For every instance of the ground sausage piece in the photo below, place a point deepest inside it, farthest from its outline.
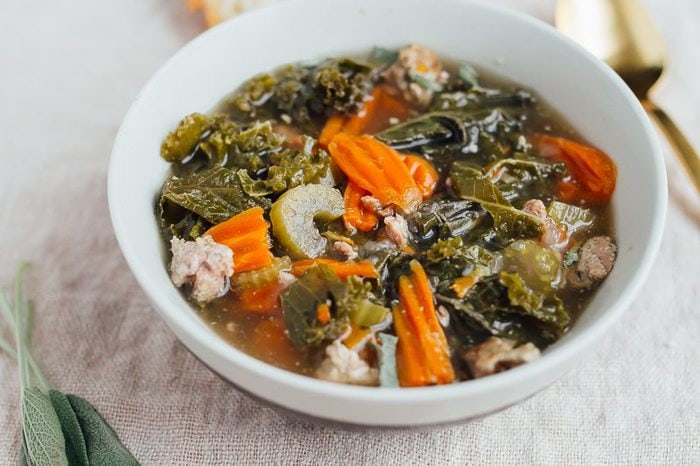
(554, 236)
(397, 230)
(346, 249)
(372, 204)
(498, 354)
(596, 260)
(343, 365)
(415, 60)
(204, 263)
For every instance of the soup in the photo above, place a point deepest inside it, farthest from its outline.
(392, 219)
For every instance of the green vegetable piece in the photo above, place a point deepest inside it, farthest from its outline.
(520, 180)
(180, 143)
(386, 357)
(44, 439)
(382, 55)
(260, 278)
(468, 183)
(468, 75)
(445, 249)
(254, 93)
(342, 85)
(300, 300)
(538, 266)
(533, 303)
(518, 292)
(445, 218)
(359, 303)
(293, 215)
(421, 80)
(215, 195)
(288, 170)
(102, 443)
(76, 449)
(570, 217)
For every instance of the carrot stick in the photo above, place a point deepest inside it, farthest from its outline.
(333, 126)
(410, 361)
(417, 325)
(423, 173)
(594, 173)
(355, 216)
(342, 268)
(247, 236)
(377, 168)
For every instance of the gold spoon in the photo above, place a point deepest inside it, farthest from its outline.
(621, 33)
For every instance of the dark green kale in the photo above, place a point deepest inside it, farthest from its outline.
(189, 205)
(444, 218)
(471, 184)
(202, 142)
(481, 136)
(520, 180)
(298, 93)
(318, 285)
(288, 169)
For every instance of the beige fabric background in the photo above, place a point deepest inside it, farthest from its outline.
(68, 71)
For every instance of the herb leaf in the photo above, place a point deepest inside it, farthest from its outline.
(76, 449)
(42, 429)
(102, 443)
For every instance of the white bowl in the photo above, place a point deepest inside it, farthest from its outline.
(593, 99)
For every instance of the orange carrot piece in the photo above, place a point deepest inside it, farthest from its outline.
(357, 336)
(373, 117)
(247, 236)
(342, 268)
(462, 285)
(355, 216)
(323, 313)
(594, 173)
(377, 168)
(410, 360)
(333, 126)
(423, 173)
(263, 300)
(416, 323)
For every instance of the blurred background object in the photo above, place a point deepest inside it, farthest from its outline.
(622, 34)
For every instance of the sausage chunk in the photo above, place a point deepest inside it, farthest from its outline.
(415, 60)
(204, 263)
(596, 260)
(498, 354)
(397, 230)
(343, 365)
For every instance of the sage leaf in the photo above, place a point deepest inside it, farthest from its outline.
(76, 449)
(42, 430)
(102, 444)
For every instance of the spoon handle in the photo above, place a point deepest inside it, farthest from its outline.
(687, 154)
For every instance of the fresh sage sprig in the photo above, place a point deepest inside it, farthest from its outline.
(57, 428)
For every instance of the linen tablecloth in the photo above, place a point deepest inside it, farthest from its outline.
(68, 72)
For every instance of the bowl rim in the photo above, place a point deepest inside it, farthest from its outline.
(553, 357)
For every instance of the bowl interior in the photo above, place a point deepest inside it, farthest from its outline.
(523, 50)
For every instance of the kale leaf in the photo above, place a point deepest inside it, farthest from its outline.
(202, 142)
(520, 180)
(318, 285)
(215, 195)
(444, 218)
(288, 169)
(470, 184)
